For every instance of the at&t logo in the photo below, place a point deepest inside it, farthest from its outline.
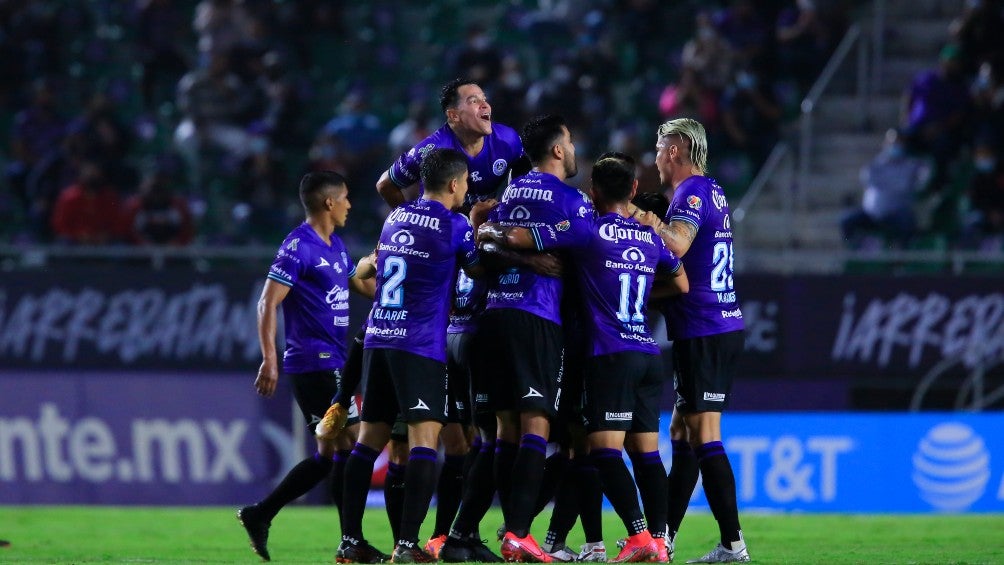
(951, 467)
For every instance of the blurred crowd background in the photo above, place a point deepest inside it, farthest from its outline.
(190, 122)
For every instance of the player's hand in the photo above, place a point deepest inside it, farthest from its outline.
(648, 219)
(268, 376)
(545, 264)
(491, 232)
(332, 423)
(479, 211)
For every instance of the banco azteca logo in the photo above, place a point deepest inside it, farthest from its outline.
(951, 467)
(402, 237)
(633, 255)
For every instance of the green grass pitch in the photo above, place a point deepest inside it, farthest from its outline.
(60, 534)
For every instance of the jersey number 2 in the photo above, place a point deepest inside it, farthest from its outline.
(394, 271)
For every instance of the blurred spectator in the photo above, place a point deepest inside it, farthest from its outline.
(708, 54)
(751, 115)
(353, 141)
(689, 99)
(979, 32)
(283, 103)
(935, 109)
(508, 97)
(417, 125)
(215, 107)
(988, 102)
(986, 194)
(36, 131)
(159, 23)
(745, 30)
(155, 215)
(88, 211)
(802, 42)
(105, 139)
(54, 172)
(892, 183)
(478, 60)
(222, 25)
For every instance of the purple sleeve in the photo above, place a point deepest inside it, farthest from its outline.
(285, 267)
(463, 241)
(406, 171)
(571, 231)
(668, 263)
(688, 205)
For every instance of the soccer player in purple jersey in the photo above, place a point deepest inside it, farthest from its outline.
(491, 149)
(523, 320)
(706, 326)
(404, 358)
(617, 263)
(310, 277)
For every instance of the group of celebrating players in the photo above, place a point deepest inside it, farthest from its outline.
(509, 320)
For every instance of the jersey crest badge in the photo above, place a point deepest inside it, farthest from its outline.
(563, 225)
(694, 202)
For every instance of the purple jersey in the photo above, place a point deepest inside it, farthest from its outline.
(420, 247)
(468, 304)
(711, 306)
(616, 265)
(558, 217)
(487, 170)
(316, 310)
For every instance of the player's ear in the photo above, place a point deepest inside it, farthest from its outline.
(557, 151)
(634, 189)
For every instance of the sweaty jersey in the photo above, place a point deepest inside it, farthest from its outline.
(420, 247)
(711, 307)
(486, 171)
(316, 310)
(558, 216)
(616, 265)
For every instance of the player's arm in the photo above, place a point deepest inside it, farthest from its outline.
(510, 237)
(363, 280)
(678, 235)
(672, 284)
(391, 193)
(496, 258)
(268, 304)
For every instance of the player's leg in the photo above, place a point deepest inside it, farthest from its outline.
(352, 373)
(379, 409)
(642, 444)
(397, 467)
(313, 392)
(610, 384)
(420, 385)
(711, 368)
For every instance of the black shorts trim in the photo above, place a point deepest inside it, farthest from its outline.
(314, 393)
(525, 368)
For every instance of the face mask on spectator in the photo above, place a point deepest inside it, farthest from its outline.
(985, 164)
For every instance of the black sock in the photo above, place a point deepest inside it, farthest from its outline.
(590, 489)
(720, 488)
(566, 509)
(358, 474)
(554, 473)
(472, 455)
(479, 489)
(505, 457)
(419, 485)
(529, 467)
(338, 475)
(650, 476)
(300, 479)
(448, 493)
(393, 496)
(680, 484)
(619, 487)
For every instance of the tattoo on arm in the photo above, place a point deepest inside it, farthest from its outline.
(678, 236)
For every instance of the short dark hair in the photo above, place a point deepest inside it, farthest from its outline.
(613, 176)
(540, 134)
(313, 185)
(655, 202)
(439, 166)
(449, 96)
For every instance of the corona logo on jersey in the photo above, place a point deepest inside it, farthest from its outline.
(951, 467)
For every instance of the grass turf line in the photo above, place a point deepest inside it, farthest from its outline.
(99, 534)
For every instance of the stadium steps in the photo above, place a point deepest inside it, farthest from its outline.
(845, 141)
